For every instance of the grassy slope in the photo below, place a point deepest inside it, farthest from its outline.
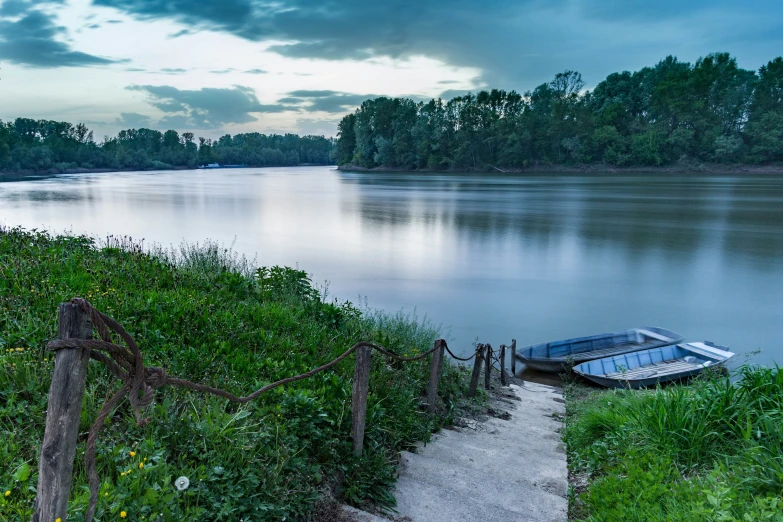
(711, 451)
(203, 315)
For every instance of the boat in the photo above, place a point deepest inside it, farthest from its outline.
(656, 365)
(557, 355)
(219, 166)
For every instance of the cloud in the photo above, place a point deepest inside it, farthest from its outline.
(175, 70)
(453, 93)
(132, 120)
(324, 100)
(223, 71)
(516, 43)
(326, 127)
(31, 38)
(256, 71)
(206, 108)
(183, 32)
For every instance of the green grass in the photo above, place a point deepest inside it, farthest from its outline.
(710, 451)
(206, 315)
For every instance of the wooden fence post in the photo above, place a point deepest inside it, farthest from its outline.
(361, 386)
(502, 364)
(474, 377)
(435, 369)
(55, 465)
(488, 366)
(514, 357)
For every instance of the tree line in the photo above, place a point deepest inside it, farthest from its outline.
(673, 112)
(42, 145)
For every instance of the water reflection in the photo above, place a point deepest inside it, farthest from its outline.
(535, 257)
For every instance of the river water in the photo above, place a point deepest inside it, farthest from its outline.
(493, 257)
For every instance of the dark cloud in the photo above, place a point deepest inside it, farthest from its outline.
(113, 21)
(515, 43)
(183, 32)
(94, 26)
(256, 71)
(206, 108)
(324, 100)
(31, 38)
(132, 120)
(453, 93)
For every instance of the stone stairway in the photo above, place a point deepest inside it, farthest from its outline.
(509, 468)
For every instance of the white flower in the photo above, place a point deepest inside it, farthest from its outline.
(182, 483)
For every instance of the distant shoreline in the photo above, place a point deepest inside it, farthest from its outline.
(700, 168)
(54, 172)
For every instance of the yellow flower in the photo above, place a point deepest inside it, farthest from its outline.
(132, 453)
(141, 465)
(123, 514)
(58, 519)
(8, 493)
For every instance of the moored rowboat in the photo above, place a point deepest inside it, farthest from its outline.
(554, 356)
(650, 367)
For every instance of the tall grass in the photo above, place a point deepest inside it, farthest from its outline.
(210, 316)
(716, 435)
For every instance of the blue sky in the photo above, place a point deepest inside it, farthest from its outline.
(212, 67)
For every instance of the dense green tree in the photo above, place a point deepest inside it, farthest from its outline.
(712, 110)
(28, 144)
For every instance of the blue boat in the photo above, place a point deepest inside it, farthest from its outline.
(555, 356)
(650, 367)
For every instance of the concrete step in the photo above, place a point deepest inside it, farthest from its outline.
(424, 502)
(539, 467)
(506, 489)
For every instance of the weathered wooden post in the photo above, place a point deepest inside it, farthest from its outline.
(55, 465)
(488, 366)
(502, 364)
(514, 357)
(435, 369)
(361, 386)
(474, 377)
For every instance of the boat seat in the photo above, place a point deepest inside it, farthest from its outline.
(654, 335)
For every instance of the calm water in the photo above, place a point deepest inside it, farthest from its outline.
(535, 258)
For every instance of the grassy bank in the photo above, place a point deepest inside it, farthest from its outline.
(711, 451)
(208, 316)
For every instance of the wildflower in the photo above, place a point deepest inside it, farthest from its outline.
(182, 483)
(132, 453)
(8, 493)
(141, 465)
(58, 519)
(123, 514)
(20, 349)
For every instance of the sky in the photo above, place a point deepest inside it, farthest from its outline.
(274, 66)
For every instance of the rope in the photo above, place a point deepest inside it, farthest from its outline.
(458, 358)
(140, 382)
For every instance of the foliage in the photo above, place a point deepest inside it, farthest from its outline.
(711, 451)
(207, 315)
(27, 144)
(709, 111)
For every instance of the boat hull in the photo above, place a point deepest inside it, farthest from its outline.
(651, 367)
(558, 355)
